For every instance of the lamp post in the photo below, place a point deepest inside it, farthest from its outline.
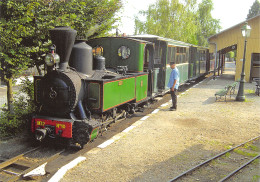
(246, 29)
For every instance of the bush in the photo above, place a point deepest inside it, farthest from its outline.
(19, 121)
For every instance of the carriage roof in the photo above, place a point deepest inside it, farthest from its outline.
(168, 40)
(125, 38)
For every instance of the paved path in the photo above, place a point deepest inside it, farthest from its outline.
(3, 97)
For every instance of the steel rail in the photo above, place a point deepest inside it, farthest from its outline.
(35, 166)
(207, 161)
(238, 169)
(14, 159)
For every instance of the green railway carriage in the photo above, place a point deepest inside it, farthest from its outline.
(106, 94)
(120, 51)
(153, 54)
(192, 61)
(134, 86)
(199, 61)
(168, 50)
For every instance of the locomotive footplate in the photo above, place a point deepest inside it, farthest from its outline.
(80, 131)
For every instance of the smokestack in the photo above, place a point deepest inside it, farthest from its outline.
(63, 37)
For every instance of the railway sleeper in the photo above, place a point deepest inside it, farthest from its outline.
(23, 166)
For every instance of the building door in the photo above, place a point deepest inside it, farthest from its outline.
(255, 66)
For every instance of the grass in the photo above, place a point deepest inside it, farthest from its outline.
(251, 147)
(250, 91)
(248, 100)
(256, 162)
(229, 146)
(227, 154)
(248, 154)
(256, 178)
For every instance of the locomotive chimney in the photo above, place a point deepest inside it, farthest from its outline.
(63, 38)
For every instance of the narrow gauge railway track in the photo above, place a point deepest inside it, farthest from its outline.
(116, 127)
(242, 150)
(24, 165)
(16, 168)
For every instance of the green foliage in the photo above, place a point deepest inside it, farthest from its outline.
(90, 18)
(207, 25)
(254, 10)
(13, 123)
(180, 20)
(14, 26)
(230, 54)
(24, 26)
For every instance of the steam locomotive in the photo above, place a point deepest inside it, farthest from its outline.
(90, 84)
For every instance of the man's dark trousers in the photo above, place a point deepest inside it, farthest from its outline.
(174, 99)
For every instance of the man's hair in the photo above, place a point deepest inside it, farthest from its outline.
(171, 63)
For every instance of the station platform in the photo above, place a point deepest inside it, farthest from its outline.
(165, 143)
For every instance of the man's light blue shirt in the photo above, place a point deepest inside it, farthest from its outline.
(174, 76)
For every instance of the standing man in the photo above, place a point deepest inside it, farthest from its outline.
(173, 85)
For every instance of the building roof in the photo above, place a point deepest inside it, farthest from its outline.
(233, 27)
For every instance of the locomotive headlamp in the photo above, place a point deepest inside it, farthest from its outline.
(52, 57)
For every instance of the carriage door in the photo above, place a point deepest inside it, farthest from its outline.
(149, 67)
(161, 64)
(193, 62)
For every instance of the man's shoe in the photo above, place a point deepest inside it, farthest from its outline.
(172, 109)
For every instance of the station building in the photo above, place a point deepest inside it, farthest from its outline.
(231, 39)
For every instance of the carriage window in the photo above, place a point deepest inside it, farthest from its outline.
(124, 52)
(178, 49)
(187, 54)
(97, 51)
(169, 55)
(177, 59)
(173, 54)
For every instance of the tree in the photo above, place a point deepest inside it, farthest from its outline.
(230, 55)
(170, 19)
(91, 18)
(207, 25)
(24, 29)
(14, 26)
(254, 10)
(181, 20)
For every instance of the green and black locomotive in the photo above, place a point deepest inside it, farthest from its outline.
(90, 84)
